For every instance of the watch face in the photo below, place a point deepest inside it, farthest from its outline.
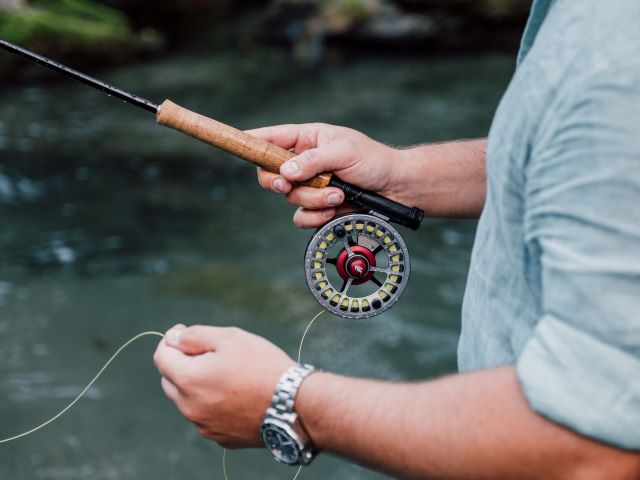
(282, 446)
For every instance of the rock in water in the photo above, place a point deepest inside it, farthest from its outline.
(12, 4)
(308, 24)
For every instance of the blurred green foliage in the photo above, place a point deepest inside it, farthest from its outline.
(68, 21)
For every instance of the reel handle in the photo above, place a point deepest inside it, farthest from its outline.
(271, 157)
(231, 140)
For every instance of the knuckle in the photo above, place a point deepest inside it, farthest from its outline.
(327, 133)
(166, 385)
(292, 198)
(186, 381)
(322, 128)
(308, 137)
(310, 157)
(186, 336)
(196, 335)
(263, 181)
(350, 145)
(298, 218)
(321, 199)
(349, 151)
(182, 384)
(233, 332)
(311, 202)
(190, 414)
(205, 433)
(269, 133)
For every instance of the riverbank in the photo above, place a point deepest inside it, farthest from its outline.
(423, 26)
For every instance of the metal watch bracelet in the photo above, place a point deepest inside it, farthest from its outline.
(281, 428)
(287, 387)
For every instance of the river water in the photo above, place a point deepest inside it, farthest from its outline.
(111, 225)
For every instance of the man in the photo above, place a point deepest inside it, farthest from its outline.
(551, 318)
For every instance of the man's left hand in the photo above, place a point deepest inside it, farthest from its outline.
(221, 379)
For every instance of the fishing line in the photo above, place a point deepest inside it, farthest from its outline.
(304, 335)
(81, 394)
(110, 361)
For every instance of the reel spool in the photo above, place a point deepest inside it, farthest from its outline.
(357, 266)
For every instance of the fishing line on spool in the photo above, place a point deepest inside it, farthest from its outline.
(110, 361)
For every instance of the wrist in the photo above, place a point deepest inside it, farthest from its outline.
(312, 408)
(402, 176)
(443, 179)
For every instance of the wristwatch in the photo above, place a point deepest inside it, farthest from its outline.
(281, 430)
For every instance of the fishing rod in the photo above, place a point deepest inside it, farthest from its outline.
(363, 247)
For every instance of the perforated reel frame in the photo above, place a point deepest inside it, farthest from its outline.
(347, 280)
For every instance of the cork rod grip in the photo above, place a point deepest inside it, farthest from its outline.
(231, 140)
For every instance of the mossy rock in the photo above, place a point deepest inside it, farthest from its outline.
(340, 15)
(82, 30)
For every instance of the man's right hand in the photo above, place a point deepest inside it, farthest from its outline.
(351, 155)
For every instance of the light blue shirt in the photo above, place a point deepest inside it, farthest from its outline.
(554, 282)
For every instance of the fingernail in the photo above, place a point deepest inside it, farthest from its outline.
(328, 213)
(173, 337)
(290, 168)
(278, 185)
(334, 199)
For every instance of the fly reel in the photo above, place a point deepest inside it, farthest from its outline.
(357, 266)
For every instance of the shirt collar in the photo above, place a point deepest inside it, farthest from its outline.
(539, 11)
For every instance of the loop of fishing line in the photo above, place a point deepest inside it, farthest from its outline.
(81, 394)
(110, 361)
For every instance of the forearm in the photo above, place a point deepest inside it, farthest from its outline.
(466, 426)
(445, 179)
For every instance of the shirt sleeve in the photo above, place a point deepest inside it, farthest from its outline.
(581, 368)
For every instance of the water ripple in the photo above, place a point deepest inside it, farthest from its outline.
(34, 386)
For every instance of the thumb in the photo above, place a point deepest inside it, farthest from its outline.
(327, 158)
(189, 340)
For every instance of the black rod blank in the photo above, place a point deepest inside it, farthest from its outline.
(81, 77)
